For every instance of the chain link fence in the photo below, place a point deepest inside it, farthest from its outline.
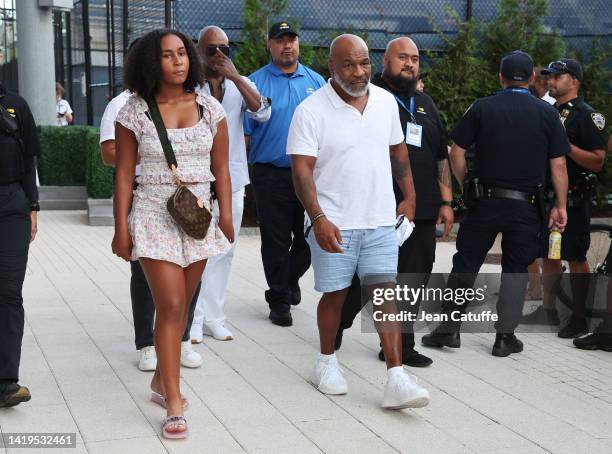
(579, 21)
(91, 40)
(90, 44)
(8, 48)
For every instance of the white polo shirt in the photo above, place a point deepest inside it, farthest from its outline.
(352, 173)
(235, 108)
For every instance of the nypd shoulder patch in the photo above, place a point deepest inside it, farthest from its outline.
(598, 120)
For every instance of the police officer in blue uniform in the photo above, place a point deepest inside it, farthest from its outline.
(516, 138)
(18, 217)
(586, 131)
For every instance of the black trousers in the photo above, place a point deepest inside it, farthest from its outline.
(520, 226)
(284, 251)
(15, 230)
(143, 308)
(414, 265)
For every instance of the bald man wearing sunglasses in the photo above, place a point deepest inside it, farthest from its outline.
(239, 96)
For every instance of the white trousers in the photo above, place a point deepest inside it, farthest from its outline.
(209, 309)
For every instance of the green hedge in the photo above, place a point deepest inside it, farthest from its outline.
(63, 157)
(99, 177)
(70, 156)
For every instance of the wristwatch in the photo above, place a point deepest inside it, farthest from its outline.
(35, 206)
(446, 203)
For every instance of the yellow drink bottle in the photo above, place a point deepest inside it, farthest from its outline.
(554, 245)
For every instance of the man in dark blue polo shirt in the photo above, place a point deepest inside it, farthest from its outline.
(284, 250)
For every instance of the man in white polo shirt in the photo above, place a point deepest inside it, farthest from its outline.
(346, 143)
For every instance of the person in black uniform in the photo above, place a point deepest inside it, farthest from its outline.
(516, 137)
(432, 181)
(586, 131)
(18, 225)
(601, 337)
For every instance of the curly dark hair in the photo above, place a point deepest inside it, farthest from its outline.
(142, 69)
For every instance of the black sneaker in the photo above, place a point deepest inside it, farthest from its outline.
(338, 341)
(506, 344)
(576, 327)
(441, 338)
(12, 394)
(410, 358)
(280, 318)
(541, 316)
(601, 339)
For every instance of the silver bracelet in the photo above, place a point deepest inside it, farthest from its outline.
(317, 217)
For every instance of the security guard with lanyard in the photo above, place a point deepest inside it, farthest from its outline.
(517, 137)
(18, 207)
(586, 131)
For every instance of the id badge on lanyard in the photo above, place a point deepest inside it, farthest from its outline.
(414, 131)
(414, 134)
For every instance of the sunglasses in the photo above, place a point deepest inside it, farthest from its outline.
(558, 66)
(212, 50)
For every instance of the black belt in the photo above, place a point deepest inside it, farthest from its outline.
(492, 192)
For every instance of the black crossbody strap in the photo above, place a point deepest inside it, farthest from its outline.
(162, 134)
(15, 130)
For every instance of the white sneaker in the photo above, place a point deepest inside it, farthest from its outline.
(189, 357)
(327, 377)
(195, 334)
(148, 359)
(219, 332)
(402, 391)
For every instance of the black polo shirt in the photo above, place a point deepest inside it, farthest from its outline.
(423, 160)
(514, 135)
(17, 165)
(585, 128)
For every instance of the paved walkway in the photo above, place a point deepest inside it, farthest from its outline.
(252, 394)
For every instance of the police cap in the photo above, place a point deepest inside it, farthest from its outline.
(516, 66)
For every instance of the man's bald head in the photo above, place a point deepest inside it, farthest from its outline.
(401, 64)
(345, 44)
(212, 34)
(403, 42)
(349, 64)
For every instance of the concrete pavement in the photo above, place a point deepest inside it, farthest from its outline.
(252, 394)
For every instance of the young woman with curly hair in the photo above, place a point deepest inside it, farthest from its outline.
(164, 67)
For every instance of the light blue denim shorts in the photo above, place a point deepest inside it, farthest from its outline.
(372, 253)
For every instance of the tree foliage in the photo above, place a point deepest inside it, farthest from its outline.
(258, 16)
(468, 67)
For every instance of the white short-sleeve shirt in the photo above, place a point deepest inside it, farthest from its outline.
(62, 107)
(352, 173)
(107, 123)
(235, 108)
